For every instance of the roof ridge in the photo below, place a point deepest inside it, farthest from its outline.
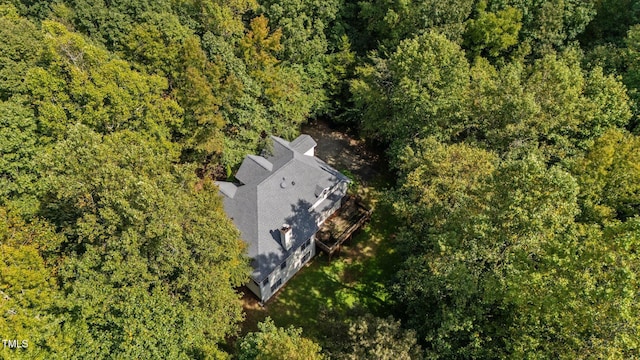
(259, 160)
(274, 172)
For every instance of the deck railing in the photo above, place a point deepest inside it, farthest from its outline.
(356, 220)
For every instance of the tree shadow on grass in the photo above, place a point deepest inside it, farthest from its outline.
(357, 279)
(375, 258)
(314, 288)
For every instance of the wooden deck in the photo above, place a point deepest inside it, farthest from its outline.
(341, 226)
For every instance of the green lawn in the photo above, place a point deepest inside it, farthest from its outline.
(356, 277)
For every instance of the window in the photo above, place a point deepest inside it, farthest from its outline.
(305, 245)
(283, 265)
(306, 257)
(265, 282)
(275, 286)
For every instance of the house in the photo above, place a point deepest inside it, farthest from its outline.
(278, 204)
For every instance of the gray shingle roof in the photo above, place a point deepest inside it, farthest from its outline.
(276, 190)
(303, 143)
(254, 168)
(227, 189)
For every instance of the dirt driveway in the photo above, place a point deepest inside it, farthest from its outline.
(343, 152)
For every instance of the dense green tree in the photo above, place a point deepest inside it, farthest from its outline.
(609, 178)
(284, 92)
(341, 67)
(425, 89)
(631, 73)
(611, 22)
(156, 44)
(29, 294)
(375, 338)
(312, 32)
(578, 295)
(19, 147)
(548, 25)
(493, 33)
(221, 18)
(259, 45)
(80, 82)
(553, 104)
(198, 84)
(21, 42)
(262, 94)
(508, 273)
(632, 42)
(151, 257)
(306, 27)
(503, 113)
(244, 114)
(391, 22)
(191, 96)
(361, 335)
(610, 57)
(421, 90)
(443, 186)
(272, 343)
(438, 180)
(579, 104)
(32, 9)
(109, 22)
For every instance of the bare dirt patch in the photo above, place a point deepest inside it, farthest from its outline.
(344, 152)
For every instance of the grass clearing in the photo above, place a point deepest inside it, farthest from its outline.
(356, 277)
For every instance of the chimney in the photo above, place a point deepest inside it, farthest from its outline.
(285, 237)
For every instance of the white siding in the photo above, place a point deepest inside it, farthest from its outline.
(325, 214)
(342, 188)
(254, 288)
(294, 263)
(310, 152)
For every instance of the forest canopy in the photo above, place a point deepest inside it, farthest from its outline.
(510, 128)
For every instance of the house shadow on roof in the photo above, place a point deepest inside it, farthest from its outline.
(275, 235)
(303, 226)
(302, 220)
(267, 262)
